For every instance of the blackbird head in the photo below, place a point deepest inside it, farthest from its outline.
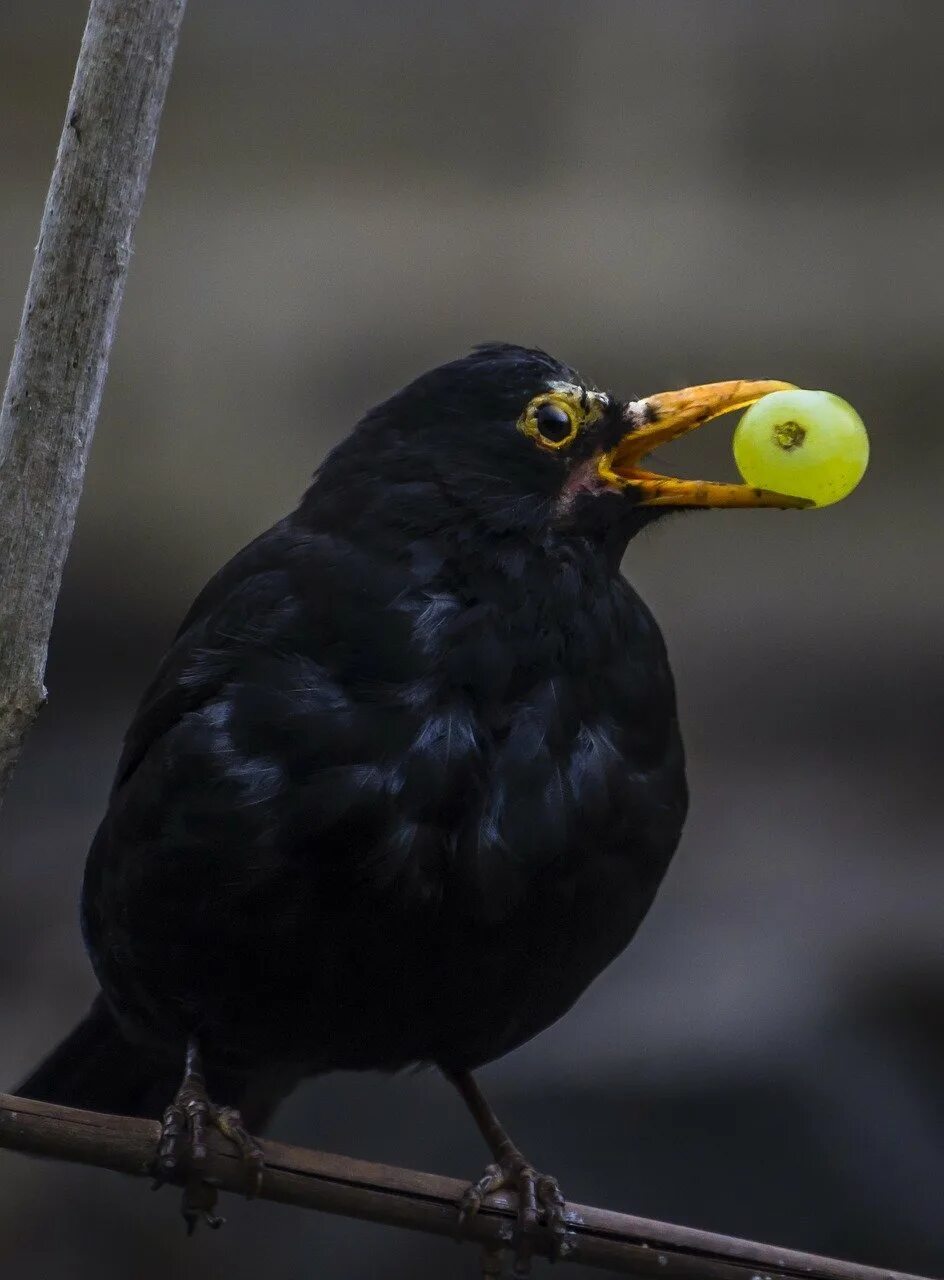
(518, 440)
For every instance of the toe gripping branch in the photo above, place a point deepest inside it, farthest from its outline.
(540, 1202)
(182, 1150)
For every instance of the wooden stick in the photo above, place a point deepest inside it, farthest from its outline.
(67, 328)
(421, 1201)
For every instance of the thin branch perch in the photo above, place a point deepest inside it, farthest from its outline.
(421, 1201)
(67, 328)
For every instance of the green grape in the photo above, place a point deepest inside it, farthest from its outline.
(808, 444)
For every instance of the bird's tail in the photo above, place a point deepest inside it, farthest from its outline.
(97, 1069)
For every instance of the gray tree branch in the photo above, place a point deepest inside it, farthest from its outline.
(421, 1201)
(67, 328)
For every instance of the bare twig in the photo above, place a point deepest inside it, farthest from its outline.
(422, 1201)
(61, 356)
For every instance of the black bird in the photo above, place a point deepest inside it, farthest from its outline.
(410, 774)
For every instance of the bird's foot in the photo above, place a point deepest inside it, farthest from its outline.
(182, 1150)
(539, 1202)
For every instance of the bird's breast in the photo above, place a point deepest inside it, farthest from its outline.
(546, 734)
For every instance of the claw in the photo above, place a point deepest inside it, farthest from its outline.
(554, 1204)
(183, 1147)
(199, 1202)
(230, 1124)
(539, 1198)
(493, 1179)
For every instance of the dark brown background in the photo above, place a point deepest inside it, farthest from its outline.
(662, 193)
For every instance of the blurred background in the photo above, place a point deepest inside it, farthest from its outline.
(660, 192)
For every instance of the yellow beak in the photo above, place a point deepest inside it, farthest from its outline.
(671, 414)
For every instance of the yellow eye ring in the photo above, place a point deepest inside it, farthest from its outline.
(551, 421)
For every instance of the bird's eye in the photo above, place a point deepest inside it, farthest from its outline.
(554, 423)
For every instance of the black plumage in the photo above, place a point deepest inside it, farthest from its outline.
(410, 774)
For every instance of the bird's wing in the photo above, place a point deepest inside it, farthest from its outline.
(281, 773)
(239, 606)
(287, 719)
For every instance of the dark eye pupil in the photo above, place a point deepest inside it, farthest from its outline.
(553, 422)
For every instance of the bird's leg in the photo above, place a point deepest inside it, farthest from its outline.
(538, 1193)
(183, 1143)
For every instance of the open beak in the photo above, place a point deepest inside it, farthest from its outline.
(672, 414)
